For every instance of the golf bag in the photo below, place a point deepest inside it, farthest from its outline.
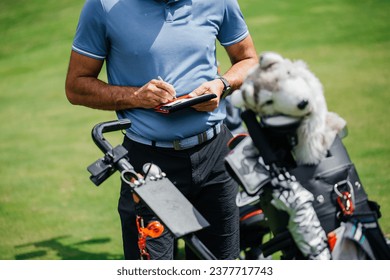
(314, 211)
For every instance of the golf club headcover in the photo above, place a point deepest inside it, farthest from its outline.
(246, 166)
(309, 236)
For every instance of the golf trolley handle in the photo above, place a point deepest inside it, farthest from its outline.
(110, 126)
(114, 158)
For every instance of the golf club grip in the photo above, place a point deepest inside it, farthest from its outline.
(101, 128)
(258, 137)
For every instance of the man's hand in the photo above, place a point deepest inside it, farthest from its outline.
(243, 57)
(214, 86)
(154, 93)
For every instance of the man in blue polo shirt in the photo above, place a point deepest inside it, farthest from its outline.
(175, 40)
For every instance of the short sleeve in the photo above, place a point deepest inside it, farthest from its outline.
(90, 38)
(233, 28)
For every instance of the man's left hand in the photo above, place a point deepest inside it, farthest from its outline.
(214, 86)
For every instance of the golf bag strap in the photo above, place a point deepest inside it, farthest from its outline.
(373, 234)
(355, 232)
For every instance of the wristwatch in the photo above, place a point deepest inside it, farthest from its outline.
(227, 89)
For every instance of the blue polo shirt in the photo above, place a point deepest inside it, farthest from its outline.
(175, 39)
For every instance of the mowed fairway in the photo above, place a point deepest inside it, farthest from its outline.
(48, 207)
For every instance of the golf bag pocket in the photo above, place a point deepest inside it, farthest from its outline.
(341, 201)
(338, 194)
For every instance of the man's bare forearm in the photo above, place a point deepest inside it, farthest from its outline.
(243, 57)
(83, 87)
(238, 72)
(94, 93)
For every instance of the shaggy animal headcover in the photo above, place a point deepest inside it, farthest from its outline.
(280, 86)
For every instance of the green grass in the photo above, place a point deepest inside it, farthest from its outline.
(48, 207)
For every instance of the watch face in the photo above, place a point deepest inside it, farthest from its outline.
(226, 89)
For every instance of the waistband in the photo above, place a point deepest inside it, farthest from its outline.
(180, 144)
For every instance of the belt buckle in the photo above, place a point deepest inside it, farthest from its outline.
(202, 137)
(176, 145)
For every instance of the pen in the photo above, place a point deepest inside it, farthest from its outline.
(161, 79)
